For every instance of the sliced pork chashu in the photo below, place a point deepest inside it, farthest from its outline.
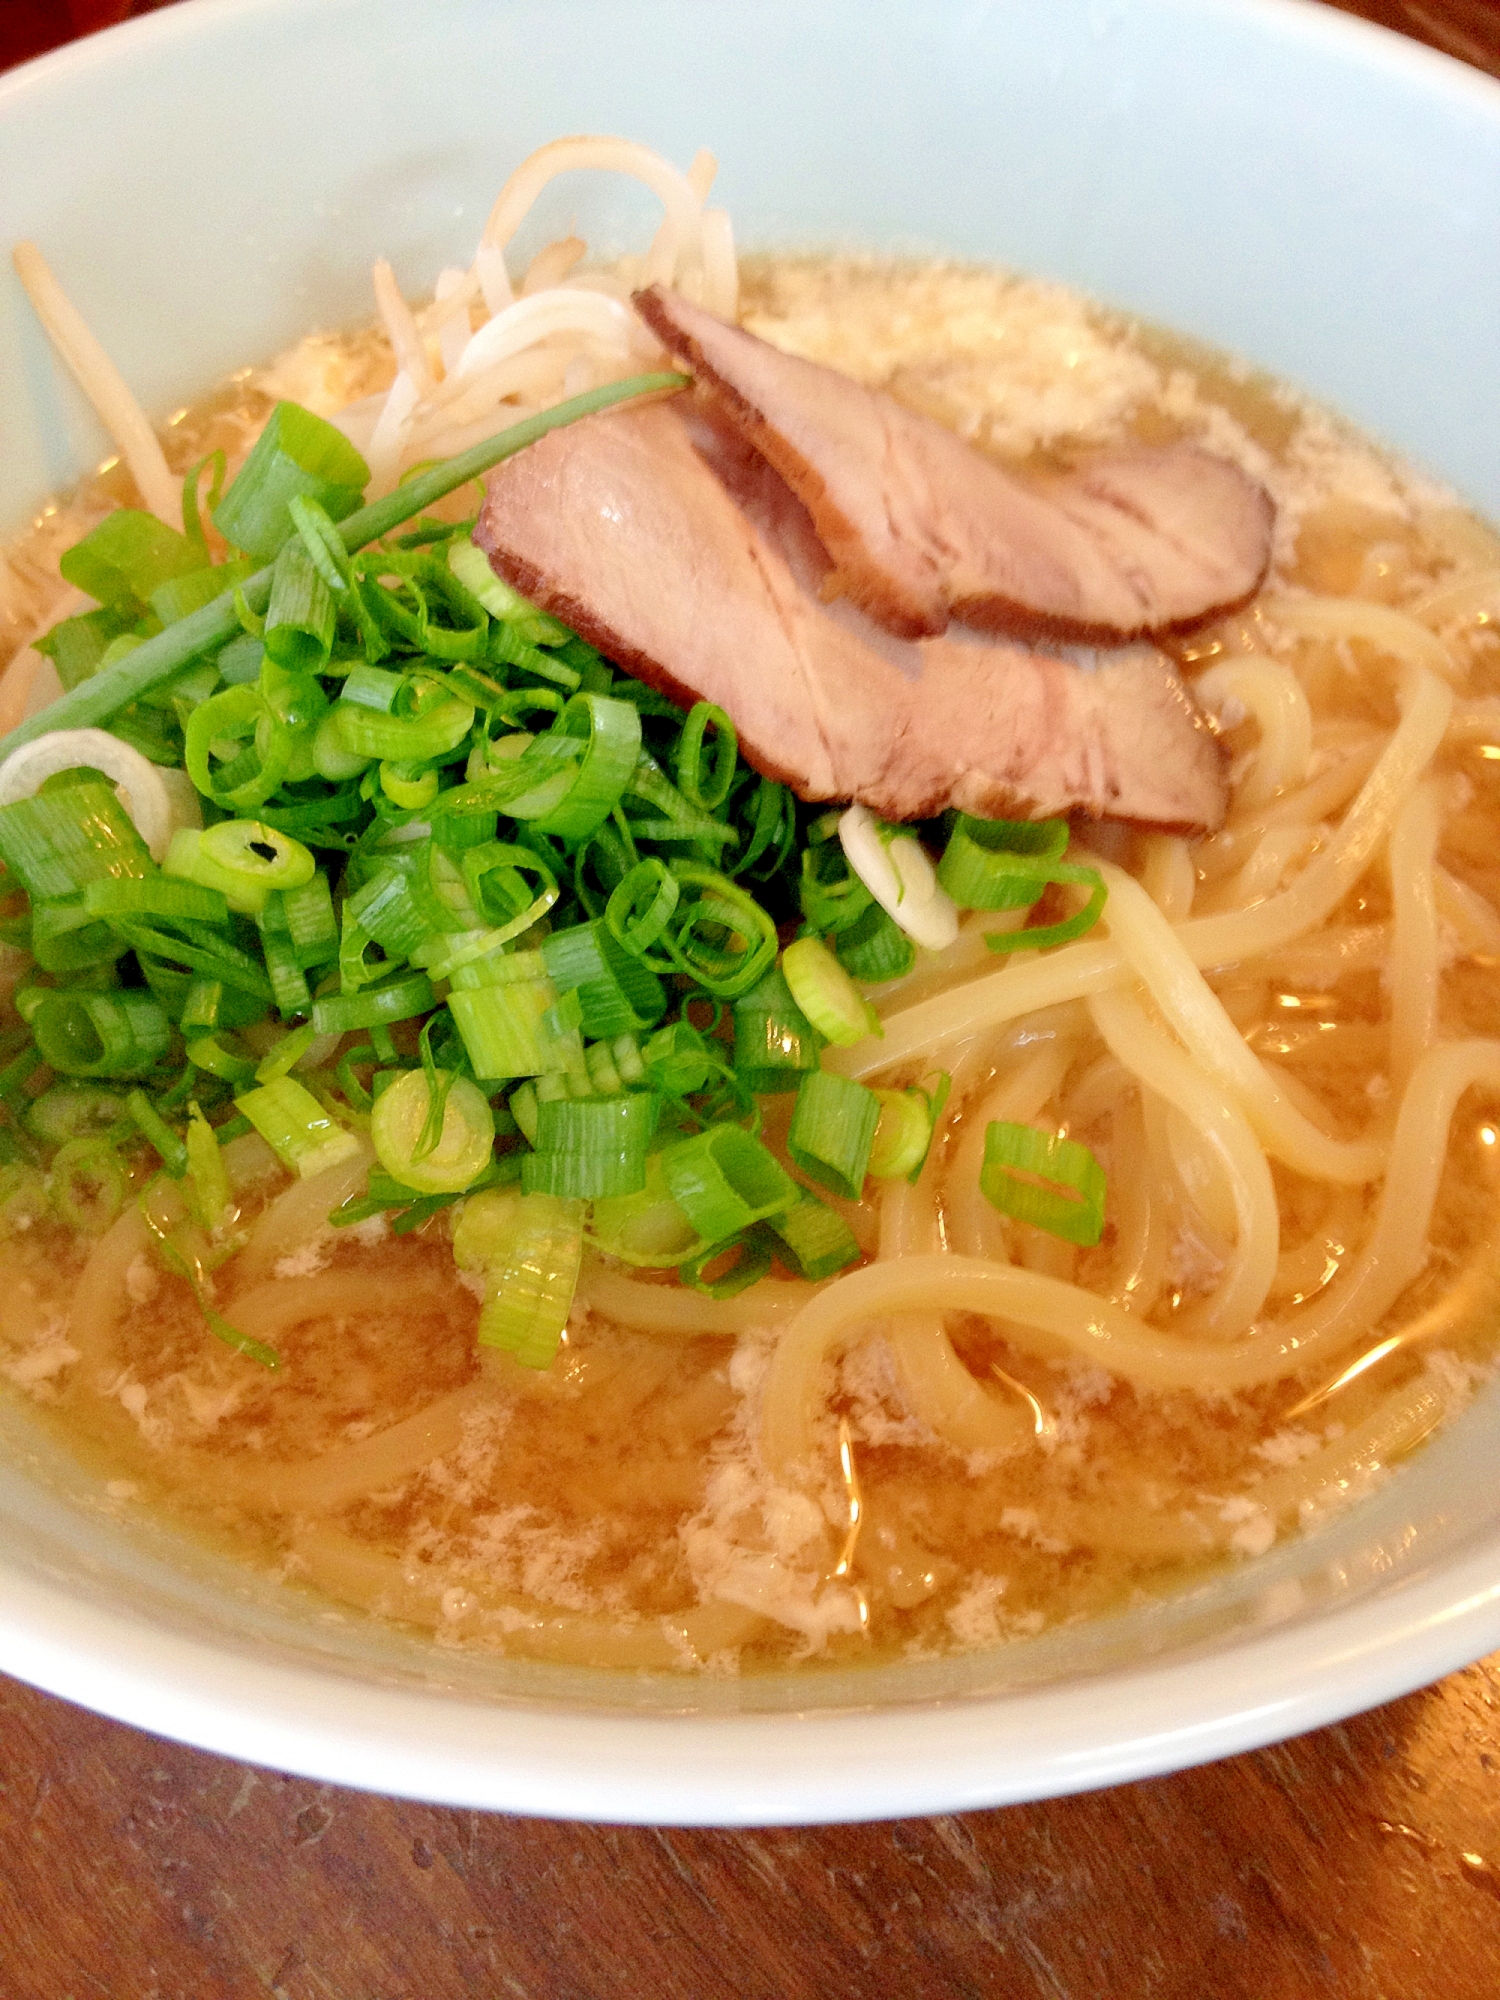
(921, 528)
(704, 583)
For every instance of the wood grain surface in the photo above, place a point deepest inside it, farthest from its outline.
(1360, 1863)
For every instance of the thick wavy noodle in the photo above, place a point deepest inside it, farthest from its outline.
(1281, 1043)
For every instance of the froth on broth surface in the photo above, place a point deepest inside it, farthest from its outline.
(971, 1483)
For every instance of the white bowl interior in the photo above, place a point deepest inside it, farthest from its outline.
(1260, 174)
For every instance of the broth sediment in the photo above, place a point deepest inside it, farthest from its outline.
(619, 1506)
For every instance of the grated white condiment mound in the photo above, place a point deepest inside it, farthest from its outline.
(1018, 366)
(40, 1363)
(1024, 363)
(878, 1412)
(1288, 1446)
(976, 1619)
(1254, 1526)
(758, 1544)
(306, 1261)
(1026, 1525)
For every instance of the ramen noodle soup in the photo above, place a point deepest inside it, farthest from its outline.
(1272, 1055)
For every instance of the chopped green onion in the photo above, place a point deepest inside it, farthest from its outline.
(190, 1268)
(1000, 864)
(531, 1277)
(591, 1147)
(15, 1076)
(375, 688)
(616, 993)
(874, 948)
(297, 454)
(257, 858)
(826, 994)
(501, 968)
(832, 1131)
(125, 558)
(472, 568)
(211, 1191)
(363, 732)
(289, 987)
(610, 732)
(74, 1111)
(1005, 864)
(153, 1128)
(64, 940)
(209, 1053)
(718, 935)
(1039, 1178)
(56, 842)
(253, 749)
(816, 1240)
(295, 1126)
(832, 896)
(1038, 937)
(409, 786)
(895, 868)
(374, 1006)
(330, 759)
(774, 1042)
(773, 831)
(384, 909)
(124, 1033)
(307, 911)
(155, 896)
(209, 1003)
(216, 464)
(723, 1180)
(676, 1059)
(295, 698)
(241, 660)
(207, 951)
(749, 1260)
(504, 1029)
(706, 781)
(903, 1134)
(640, 908)
(180, 595)
(646, 1229)
(76, 646)
(495, 873)
(287, 1053)
(88, 1185)
(524, 1109)
(466, 1139)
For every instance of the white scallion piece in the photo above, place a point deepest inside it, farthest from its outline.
(142, 787)
(895, 869)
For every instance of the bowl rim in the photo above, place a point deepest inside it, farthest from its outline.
(563, 1760)
(555, 1759)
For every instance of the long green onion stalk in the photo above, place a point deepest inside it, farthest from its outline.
(455, 884)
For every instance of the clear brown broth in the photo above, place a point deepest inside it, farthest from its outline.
(582, 1491)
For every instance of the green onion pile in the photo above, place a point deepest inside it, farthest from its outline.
(461, 885)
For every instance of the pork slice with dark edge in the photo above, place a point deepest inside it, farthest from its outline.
(922, 529)
(685, 561)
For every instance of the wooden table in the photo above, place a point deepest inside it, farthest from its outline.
(1360, 1863)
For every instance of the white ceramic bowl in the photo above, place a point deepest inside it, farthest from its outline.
(1275, 178)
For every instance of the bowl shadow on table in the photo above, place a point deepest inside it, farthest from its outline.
(107, 1555)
